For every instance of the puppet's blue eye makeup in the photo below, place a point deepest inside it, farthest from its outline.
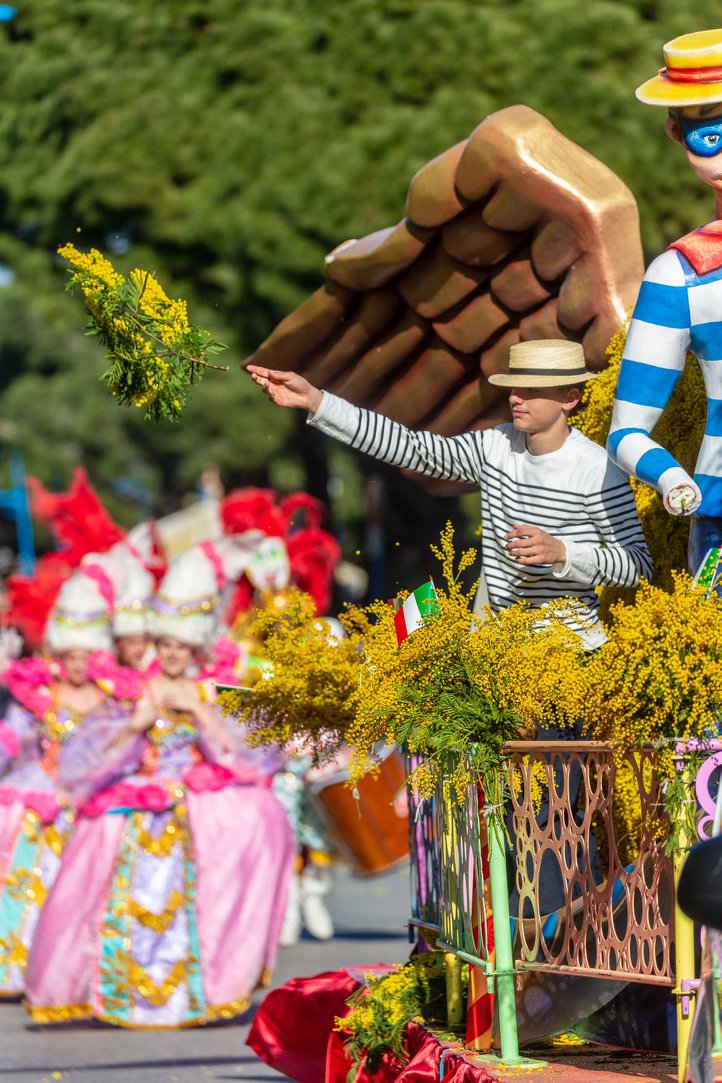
(702, 137)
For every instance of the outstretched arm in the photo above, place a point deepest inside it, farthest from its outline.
(654, 356)
(286, 388)
(452, 458)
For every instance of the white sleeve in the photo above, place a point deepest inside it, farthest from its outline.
(452, 458)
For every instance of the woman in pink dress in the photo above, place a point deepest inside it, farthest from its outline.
(171, 894)
(50, 699)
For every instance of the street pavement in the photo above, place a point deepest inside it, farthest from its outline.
(370, 918)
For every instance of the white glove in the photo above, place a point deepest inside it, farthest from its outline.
(682, 499)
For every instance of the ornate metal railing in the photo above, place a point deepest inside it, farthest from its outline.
(615, 918)
(425, 862)
(447, 864)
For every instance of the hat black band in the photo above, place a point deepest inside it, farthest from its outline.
(516, 370)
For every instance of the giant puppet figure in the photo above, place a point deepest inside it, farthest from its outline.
(679, 308)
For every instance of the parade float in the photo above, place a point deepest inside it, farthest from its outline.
(404, 326)
(515, 234)
(606, 818)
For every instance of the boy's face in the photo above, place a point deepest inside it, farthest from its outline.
(538, 409)
(699, 130)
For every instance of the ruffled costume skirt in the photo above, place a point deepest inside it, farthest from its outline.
(34, 830)
(167, 909)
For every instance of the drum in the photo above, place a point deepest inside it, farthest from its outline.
(371, 832)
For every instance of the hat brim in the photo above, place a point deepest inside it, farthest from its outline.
(664, 92)
(511, 379)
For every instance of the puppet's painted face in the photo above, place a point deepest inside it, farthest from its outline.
(702, 137)
(699, 130)
(268, 568)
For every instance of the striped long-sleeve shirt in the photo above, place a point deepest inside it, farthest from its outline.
(677, 310)
(575, 493)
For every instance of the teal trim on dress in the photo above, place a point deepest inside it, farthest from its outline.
(114, 987)
(116, 990)
(15, 902)
(196, 993)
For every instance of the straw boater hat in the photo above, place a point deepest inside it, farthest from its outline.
(692, 74)
(550, 362)
(80, 618)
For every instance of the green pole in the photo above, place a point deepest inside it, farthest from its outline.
(454, 998)
(504, 975)
(504, 960)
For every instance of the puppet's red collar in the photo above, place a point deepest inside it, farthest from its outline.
(703, 247)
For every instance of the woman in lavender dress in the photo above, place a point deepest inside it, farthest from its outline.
(169, 902)
(49, 702)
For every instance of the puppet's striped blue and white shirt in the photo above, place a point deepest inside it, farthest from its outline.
(677, 310)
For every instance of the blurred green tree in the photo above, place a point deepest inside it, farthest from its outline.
(228, 146)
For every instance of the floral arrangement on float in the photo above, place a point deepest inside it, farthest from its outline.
(452, 686)
(658, 680)
(374, 1028)
(310, 685)
(461, 685)
(467, 684)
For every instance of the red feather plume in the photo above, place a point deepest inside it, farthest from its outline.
(252, 509)
(78, 521)
(79, 524)
(30, 599)
(312, 552)
(302, 509)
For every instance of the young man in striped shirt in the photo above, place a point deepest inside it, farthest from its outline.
(558, 518)
(680, 305)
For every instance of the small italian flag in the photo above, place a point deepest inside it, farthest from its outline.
(411, 613)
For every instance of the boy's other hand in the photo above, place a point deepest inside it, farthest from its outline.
(286, 388)
(532, 545)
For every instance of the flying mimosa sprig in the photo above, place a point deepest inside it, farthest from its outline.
(155, 354)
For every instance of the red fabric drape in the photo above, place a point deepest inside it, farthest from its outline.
(293, 1033)
(292, 1027)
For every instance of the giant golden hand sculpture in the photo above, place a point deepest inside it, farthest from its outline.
(516, 233)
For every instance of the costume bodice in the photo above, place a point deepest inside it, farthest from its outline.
(42, 738)
(172, 744)
(55, 728)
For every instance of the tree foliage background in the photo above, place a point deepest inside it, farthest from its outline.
(228, 145)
